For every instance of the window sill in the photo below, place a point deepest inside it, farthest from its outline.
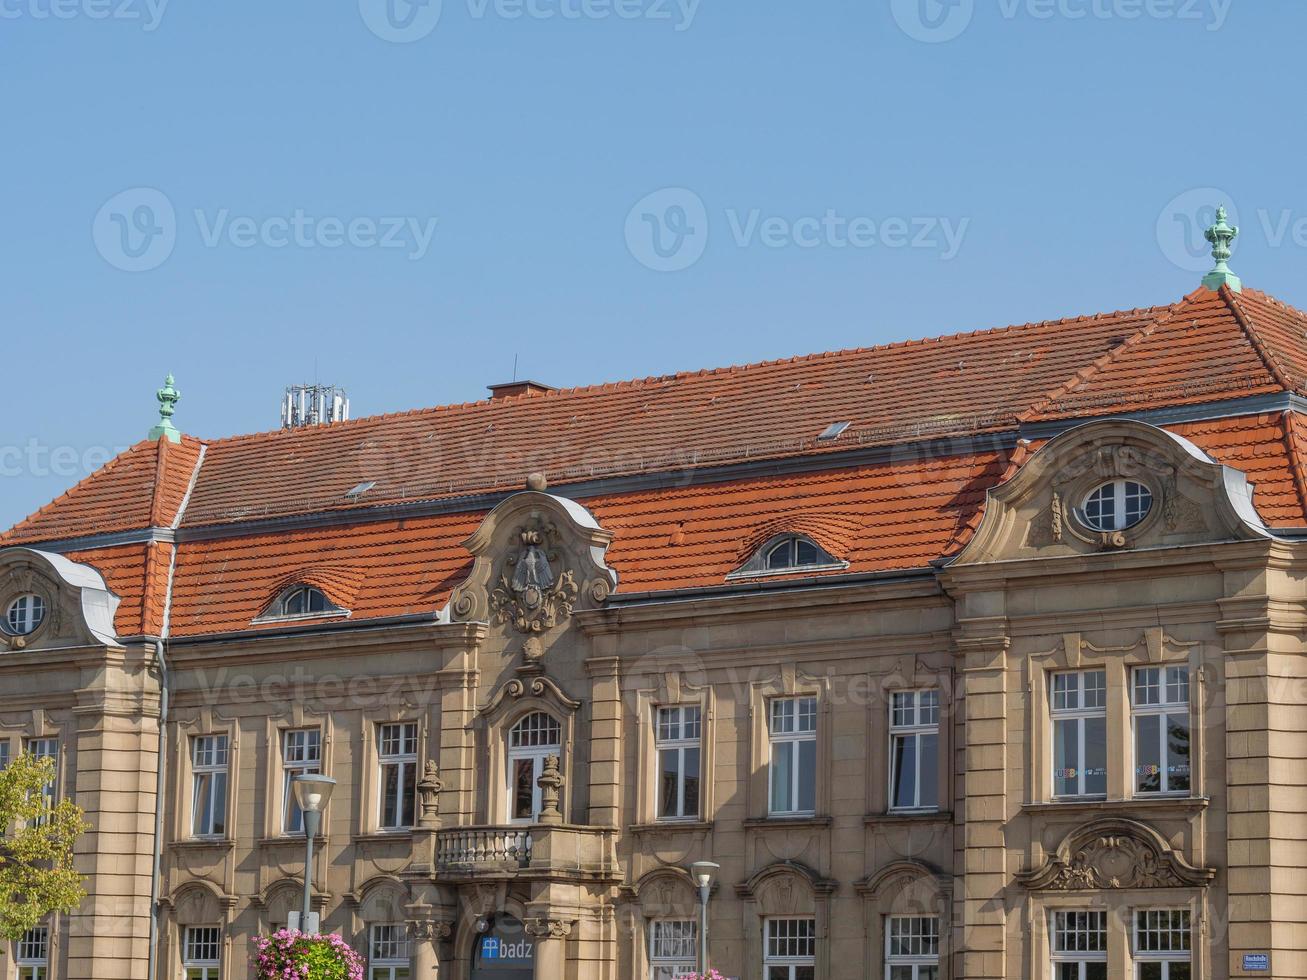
(909, 816)
(318, 840)
(204, 844)
(771, 823)
(662, 826)
(380, 836)
(1184, 803)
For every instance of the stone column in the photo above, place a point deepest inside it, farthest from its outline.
(551, 789)
(551, 946)
(424, 936)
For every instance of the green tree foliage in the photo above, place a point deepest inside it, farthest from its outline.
(36, 851)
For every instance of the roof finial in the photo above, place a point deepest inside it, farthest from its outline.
(168, 397)
(1221, 235)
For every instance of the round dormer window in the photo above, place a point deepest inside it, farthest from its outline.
(24, 615)
(1117, 505)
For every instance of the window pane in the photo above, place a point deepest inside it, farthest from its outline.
(808, 775)
(409, 781)
(219, 804)
(1096, 756)
(1095, 971)
(782, 775)
(928, 746)
(691, 808)
(1150, 971)
(905, 761)
(1180, 971)
(669, 773)
(1066, 756)
(1177, 747)
(1148, 753)
(389, 795)
(523, 789)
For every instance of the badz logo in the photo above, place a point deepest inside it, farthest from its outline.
(493, 948)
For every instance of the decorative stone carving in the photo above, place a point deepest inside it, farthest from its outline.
(429, 788)
(538, 558)
(1114, 853)
(551, 785)
(428, 930)
(543, 928)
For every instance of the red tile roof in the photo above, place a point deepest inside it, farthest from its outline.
(899, 513)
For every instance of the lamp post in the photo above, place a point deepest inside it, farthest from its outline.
(702, 872)
(311, 793)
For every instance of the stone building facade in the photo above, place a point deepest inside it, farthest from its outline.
(1010, 687)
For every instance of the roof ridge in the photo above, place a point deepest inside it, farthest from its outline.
(1268, 356)
(1095, 367)
(633, 384)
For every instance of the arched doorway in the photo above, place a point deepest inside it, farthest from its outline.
(504, 951)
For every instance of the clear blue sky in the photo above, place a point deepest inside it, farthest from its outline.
(1052, 135)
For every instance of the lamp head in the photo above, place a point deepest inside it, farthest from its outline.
(702, 872)
(313, 791)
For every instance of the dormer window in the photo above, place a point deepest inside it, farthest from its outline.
(792, 553)
(1117, 505)
(301, 602)
(24, 615)
(787, 553)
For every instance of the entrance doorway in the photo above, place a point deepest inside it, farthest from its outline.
(504, 951)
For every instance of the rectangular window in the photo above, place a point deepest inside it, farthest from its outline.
(397, 749)
(677, 742)
(301, 755)
(912, 947)
(46, 748)
(672, 952)
(202, 952)
(790, 952)
(1162, 944)
(1079, 945)
(4, 753)
(914, 750)
(793, 772)
(388, 952)
(1079, 712)
(209, 772)
(33, 954)
(1161, 710)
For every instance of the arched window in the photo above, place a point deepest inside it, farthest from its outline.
(535, 737)
(793, 553)
(304, 601)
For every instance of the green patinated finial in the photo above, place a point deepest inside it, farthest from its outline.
(168, 397)
(1221, 235)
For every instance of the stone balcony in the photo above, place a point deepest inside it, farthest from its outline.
(549, 851)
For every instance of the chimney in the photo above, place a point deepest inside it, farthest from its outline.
(511, 389)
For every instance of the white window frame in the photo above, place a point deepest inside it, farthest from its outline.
(1173, 687)
(792, 557)
(1121, 496)
(301, 755)
(1150, 921)
(911, 942)
(785, 735)
(678, 730)
(202, 967)
(210, 760)
(914, 715)
(780, 951)
(666, 961)
(388, 952)
(1078, 714)
(397, 747)
(1095, 924)
(531, 747)
(32, 954)
(46, 748)
(29, 619)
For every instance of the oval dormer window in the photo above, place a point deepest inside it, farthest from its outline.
(24, 615)
(792, 553)
(305, 601)
(1117, 505)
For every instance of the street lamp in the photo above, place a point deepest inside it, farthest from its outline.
(702, 871)
(312, 793)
